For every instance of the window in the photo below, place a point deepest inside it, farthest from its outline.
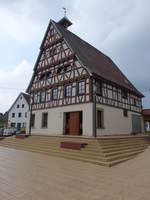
(125, 113)
(13, 115)
(48, 96)
(147, 126)
(22, 105)
(135, 102)
(100, 120)
(18, 106)
(98, 87)
(59, 70)
(42, 76)
(21, 97)
(44, 120)
(13, 125)
(53, 51)
(23, 125)
(124, 94)
(25, 114)
(68, 90)
(19, 114)
(38, 97)
(81, 87)
(35, 98)
(67, 68)
(51, 33)
(49, 74)
(42, 98)
(54, 94)
(32, 120)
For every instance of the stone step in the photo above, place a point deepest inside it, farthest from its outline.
(60, 153)
(98, 162)
(123, 145)
(115, 162)
(40, 142)
(117, 152)
(74, 153)
(122, 142)
(114, 149)
(124, 155)
(92, 150)
(51, 142)
(122, 138)
(88, 148)
(98, 152)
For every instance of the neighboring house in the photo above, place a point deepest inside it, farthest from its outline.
(17, 114)
(78, 90)
(146, 119)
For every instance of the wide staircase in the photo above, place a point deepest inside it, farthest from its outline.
(106, 151)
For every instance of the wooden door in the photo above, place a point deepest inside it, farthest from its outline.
(74, 123)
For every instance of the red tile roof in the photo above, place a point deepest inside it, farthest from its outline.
(146, 112)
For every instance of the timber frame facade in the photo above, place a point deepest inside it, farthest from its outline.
(61, 78)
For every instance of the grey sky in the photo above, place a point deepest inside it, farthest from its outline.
(120, 29)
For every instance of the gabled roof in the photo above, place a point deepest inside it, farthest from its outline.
(25, 95)
(95, 61)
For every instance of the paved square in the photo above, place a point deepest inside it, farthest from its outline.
(31, 176)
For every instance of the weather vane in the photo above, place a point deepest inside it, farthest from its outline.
(65, 11)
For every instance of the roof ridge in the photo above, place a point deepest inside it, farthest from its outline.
(82, 40)
(96, 61)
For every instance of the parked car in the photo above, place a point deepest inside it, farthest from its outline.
(9, 131)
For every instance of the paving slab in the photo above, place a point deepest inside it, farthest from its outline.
(32, 176)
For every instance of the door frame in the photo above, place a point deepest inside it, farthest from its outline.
(80, 121)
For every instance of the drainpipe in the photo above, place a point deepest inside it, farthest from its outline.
(30, 114)
(94, 108)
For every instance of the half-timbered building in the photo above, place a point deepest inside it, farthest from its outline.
(77, 90)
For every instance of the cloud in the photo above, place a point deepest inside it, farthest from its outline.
(13, 82)
(25, 21)
(18, 23)
(121, 29)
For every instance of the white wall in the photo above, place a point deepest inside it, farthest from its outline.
(114, 121)
(21, 100)
(56, 120)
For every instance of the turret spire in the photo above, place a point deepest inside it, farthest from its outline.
(65, 11)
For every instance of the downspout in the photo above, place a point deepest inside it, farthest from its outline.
(94, 108)
(30, 114)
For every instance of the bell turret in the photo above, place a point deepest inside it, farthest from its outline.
(65, 22)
